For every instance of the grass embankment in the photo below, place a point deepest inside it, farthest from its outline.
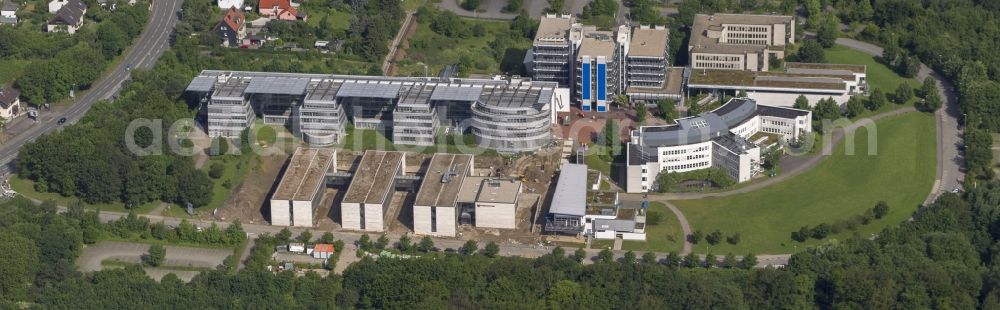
(437, 50)
(840, 187)
(370, 139)
(878, 75)
(667, 236)
(26, 188)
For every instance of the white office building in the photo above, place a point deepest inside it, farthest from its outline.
(730, 137)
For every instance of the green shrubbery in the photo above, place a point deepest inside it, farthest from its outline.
(669, 182)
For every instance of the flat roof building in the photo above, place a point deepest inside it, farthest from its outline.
(435, 209)
(780, 87)
(513, 120)
(739, 41)
(725, 138)
(370, 193)
(301, 187)
(551, 55)
(569, 200)
(648, 73)
(490, 202)
(599, 68)
(316, 107)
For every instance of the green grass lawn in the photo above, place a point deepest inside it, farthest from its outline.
(339, 20)
(665, 237)
(879, 76)
(601, 244)
(26, 188)
(841, 186)
(237, 166)
(10, 69)
(370, 139)
(438, 51)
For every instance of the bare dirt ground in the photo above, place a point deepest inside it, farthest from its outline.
(326, 216)
(248, 201)
(404, 44)
(400, 213)
(526, 207)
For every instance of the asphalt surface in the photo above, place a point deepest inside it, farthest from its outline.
(444, 244)
(950, 163)
(143, 54)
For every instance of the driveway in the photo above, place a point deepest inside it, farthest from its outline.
(950, 165)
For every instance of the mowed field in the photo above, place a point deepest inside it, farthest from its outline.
(665, 237)
(840, 187)
(879, 76)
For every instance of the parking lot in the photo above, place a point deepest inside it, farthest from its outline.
(92, 257)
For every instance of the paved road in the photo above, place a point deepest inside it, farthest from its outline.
(808, 164)
(350, 238)
(685, 227)
(144, 53)
(950, 165)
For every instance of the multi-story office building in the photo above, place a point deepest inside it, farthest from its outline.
(731, 138)
(229, 110)
(739, 41)
(513, 119)
(598, 68)
(415, 121)
(320, 119)
(510, 116)
(647, 65)
(551, 56)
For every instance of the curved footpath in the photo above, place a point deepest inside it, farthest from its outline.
(949, 174)
(143, 54)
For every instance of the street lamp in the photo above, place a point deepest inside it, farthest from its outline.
(425, 70)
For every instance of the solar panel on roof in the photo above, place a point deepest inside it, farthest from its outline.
(370, 90)
(456, 93)
(201, 84)
(278, 85)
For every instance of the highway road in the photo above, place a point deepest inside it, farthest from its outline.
(143, 54)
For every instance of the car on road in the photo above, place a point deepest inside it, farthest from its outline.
(61, 121)
(128, 67)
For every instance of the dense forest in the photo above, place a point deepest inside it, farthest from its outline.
(92, 160)
(945, 258)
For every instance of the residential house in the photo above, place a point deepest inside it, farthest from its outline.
(55, 5)
(226, 4)
(69, 18)
(8, 12)
(232, 28)
(10, 103)
(280, 9)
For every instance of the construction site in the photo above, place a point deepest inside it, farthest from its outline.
(387, 191)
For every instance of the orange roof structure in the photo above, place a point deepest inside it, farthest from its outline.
(323, 247)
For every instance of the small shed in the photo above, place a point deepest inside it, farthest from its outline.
(323, 251)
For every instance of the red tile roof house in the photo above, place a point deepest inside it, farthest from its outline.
(232, 29)
(323, 250)
(280, 9)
